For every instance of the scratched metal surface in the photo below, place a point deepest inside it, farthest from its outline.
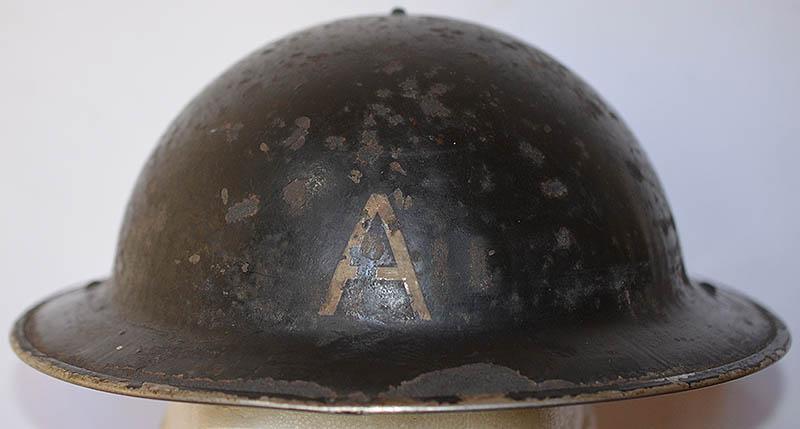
(398, 213)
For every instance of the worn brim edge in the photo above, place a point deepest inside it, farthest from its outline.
(621, 389)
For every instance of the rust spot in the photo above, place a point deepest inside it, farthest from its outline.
(553, 188)
(397, 168)
(243, 209)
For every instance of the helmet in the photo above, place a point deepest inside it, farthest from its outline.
(398, 213)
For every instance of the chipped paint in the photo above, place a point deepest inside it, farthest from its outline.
(393, 67)
(264, 147)
(398, 197)
(294, 194)
(383, 112)
(408, 88)
(433, 107)
(194, 259)
(297, 139)
(440, 253)
(433, 71)
(246, 208)
(486, 179)
(532, 153)
(370, 149)
(355, 176)
(438, 89)
(430, 103)
(298, 193)
(335, 142)
(231, 131)
(553, 188)
(479, 277)
(223, 194)
(401, 201)
(460, 381)
(315, 183)
(369, 120)
(397, 168)
(564, 238)
(392, 401)
(584, 152)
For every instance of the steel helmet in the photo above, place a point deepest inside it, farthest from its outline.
(398, 213)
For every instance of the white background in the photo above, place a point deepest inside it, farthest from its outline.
(712, 90)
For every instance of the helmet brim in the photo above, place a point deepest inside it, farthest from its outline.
(717, 336)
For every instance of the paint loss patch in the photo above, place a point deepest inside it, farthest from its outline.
(465, 380)
(244, 209)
